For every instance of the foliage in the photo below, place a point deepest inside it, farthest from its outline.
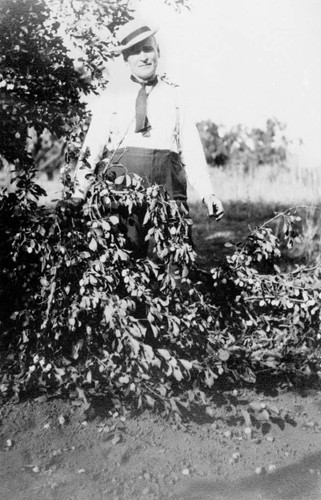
(88, 318)
(42, 82)
(88, 28)
(179, 4)
(307, 239)
(39, 86)
(242, 146)
(276, 317)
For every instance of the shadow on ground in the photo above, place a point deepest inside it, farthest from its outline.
(301, 481)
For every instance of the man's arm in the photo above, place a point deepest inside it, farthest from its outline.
(193, 158)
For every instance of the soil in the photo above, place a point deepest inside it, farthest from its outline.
(51, 449)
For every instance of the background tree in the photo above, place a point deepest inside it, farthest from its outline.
(242, 146)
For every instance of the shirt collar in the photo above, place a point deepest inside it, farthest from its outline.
(152, 82)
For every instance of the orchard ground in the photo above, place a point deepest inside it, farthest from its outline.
(50, 449)
(56, 449)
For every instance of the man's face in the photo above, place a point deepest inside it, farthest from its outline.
(143, 59)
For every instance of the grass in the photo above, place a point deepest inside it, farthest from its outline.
(277, 184)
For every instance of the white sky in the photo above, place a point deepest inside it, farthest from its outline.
(243, 61)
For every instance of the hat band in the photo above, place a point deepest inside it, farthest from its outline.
(135, 33)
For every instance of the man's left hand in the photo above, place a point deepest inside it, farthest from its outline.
(214, 207)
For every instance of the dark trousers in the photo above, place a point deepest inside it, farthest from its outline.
(162, 167)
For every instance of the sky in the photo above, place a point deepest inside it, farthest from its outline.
(244, 61)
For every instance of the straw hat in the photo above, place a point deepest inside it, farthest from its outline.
(133, 32)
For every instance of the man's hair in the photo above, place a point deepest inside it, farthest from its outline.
(126, 52)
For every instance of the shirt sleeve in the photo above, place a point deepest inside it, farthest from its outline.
(192, 153)
(92, 148)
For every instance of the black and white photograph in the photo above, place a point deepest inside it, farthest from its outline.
(160, 241)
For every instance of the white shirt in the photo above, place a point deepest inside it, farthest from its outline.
(113, 125)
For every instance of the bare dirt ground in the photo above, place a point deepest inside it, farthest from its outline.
(50, 449)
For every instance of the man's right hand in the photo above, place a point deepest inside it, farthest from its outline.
(69, 207)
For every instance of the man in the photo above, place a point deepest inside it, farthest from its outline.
(145, 124)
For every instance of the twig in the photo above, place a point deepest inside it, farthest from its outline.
(50, 299)
(304, 269)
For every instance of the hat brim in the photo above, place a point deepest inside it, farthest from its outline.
(139, 38)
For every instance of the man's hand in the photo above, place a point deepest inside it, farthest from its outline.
(214, 207)
(69, 207)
